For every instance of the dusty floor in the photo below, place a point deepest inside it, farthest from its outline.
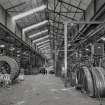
(43, 90)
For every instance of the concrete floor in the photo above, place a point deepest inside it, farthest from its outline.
(43, 90)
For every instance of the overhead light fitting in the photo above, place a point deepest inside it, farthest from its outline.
(12, 49)
(39, 39)
(98, 47)
(72, 24)
(22, 15)
(87, 49)
(18, 51)
(34, 26)
(69, 44)
(103, 38)
(2, 46)
(31, 36)
(18, 55)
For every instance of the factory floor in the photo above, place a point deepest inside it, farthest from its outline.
(43, 90)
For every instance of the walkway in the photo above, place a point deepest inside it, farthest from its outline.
(43, 90)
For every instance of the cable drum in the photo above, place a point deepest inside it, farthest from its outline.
(88, 82)
(103, 63)
(91, 80)
(99, 81)
(14, 67)
(85, 81)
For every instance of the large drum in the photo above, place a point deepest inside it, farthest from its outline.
(91, 80)
(84, 80)
(9, 66)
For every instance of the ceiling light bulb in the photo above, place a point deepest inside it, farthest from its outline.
(2, 46)
(12, 49)
(103, 38)
(18, 55)
(87, 49)
(72, 24)
(99, 47)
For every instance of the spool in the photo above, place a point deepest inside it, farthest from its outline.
(85, 81)
(13, 65)
(92, 80)
(99, 81)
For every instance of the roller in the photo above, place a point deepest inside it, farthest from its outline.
(14, 67)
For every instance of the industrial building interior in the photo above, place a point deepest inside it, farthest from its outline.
(52, 52)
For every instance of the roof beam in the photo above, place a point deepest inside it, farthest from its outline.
(20, 4)
(56, 27)
(71, 5)
(63, 15)
(56, 21)
(58, 33)
(66, 12)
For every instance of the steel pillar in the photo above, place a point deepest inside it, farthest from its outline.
(65, 48)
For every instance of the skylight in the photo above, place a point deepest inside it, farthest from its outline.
(34, 26)
(42, 42)
(27, 13)
(40, 39)
(31, 36)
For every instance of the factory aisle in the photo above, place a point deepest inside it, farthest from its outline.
(43, 90)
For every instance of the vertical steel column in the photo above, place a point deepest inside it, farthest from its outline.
(59, 15)
(94, 6)
(92, 52)
(47, 16)
(65, 48)
(84, 15)
(54, 42)
(6, 18)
